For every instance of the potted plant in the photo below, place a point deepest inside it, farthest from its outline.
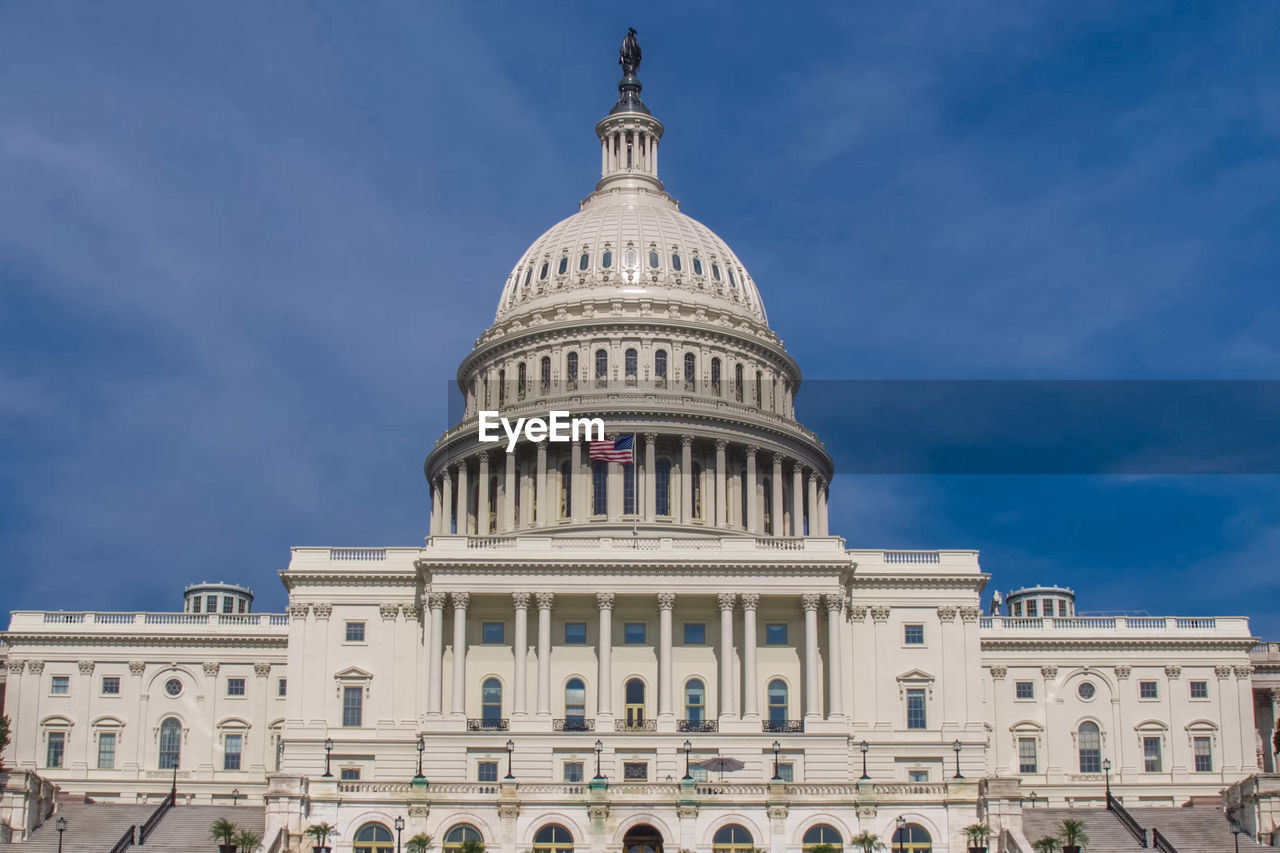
(247, 841)
(319, 833)
(420, 843)
(224, 831)
(821, 848)
(1048, 844)
(866, 842)
(978, 835)
(1073, 838)
(471, 847)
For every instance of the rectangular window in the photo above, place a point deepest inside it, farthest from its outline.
(349, 774)
(487, 771)
(355, 632)
(1024, 690)
(575, 633)
(1148, 690)
(1032, 609)
(282, 687)
(915, 708)
(1204, 754)
(1027, 755)
(633, 633)
(195, 604)
(573, 771)
(231, 752)
(775, 634)
(352, 706)
(917, 775)
(913, 635)
(110, 685)
(786, 771)
(53, 753)
(243, 606)
(106, 750)
(1151, 759)
(695, 633)
(635, 771)
(228, 604)
(60, 685)
(211, 603)
(492, 632)
(1062, 608)
(1199, 690)
(235, 686)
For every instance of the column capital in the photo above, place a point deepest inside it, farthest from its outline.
(436, 600)
(458, 466)
(461, 600)
(650, 438)
(686, 441)
(727, 600)
(666, 600)
(834, 602)
(520, 600)
(721, 445)
(546, 600)
(485, 457)
(604, 600)
(752, 450)
(813, 476)
(810, 600)
(750, 600)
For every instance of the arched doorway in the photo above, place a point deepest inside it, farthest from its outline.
(553, 838)
(912, 838)
(642, 838)
(374, 838)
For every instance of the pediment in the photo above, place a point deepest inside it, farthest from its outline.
(353, 673)
(915, 675)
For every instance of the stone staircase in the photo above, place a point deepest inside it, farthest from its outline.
(186, 828)
(90, 827)
(1106, 833)
(1197, 829)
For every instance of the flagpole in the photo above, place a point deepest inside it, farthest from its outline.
(635, 487)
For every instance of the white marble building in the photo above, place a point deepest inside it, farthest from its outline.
(565, 615)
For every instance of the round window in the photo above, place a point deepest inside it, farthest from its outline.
(1086, 690)
(173, 686)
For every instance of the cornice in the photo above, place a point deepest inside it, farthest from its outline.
(974, 583)
(1096, 643)
(117, 640)
(302, 577)
(446, 569)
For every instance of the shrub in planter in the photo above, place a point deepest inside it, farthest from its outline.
(247, 841)
(1048, 844)
(319, 833)
(866, 842)
(1072, 836)
(977, 834)
(224, 832)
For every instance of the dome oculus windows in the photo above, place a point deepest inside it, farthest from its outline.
(697, 265)
(675, 261)
(584, 262)
(606, 259)
(1086, 690)
(653, 259)
(564, 266)
(173, 687)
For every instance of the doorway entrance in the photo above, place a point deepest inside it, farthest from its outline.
(642, 838)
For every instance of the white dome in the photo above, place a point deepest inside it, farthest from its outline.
(609, 247)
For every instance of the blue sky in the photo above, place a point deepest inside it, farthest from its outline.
(243, 248)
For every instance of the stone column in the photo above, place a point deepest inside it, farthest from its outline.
(509, 495)
(446, 504)
(435, 510)
(460, 602)
(520, 652)
(813, 503)
(812, 700)
(543, 513)
(604, 654)
(777, 496)
(753, 517)
(797, 499)
(721, 502)
(435, 652)
(579, 495)
(822, 511)
(666, 602)
(545, 602)
(835, 679)
(482, 497)
(725, 688)
(750, 686)
(686, 478)
(651, 477)
(464, 505)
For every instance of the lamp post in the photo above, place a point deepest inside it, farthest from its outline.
(901, 823)
(1106, 768)
(957, 746)
(599, 749)
(1033, 799)
(328, 748)
(422, 745)
(1236, 829)
(863, 746)
(399, 825)
(776, 747)
(511, 748)
(61, 825)
(235, 795)
(688, 747)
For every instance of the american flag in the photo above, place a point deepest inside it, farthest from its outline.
(620, 449)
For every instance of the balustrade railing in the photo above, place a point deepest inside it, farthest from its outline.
(573, 724)
(784, 726)
(635, 727)
(1161, 843)
(702, 726)
(156, 816)
(488, 724)
(1127, 820)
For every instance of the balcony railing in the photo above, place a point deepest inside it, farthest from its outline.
(703, 726)
(487, 724)
(573, 724)
(784, 726)
(635, 727)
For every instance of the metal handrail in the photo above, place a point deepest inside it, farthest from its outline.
(126, 840)
(786, 726)
(1127, 821)
(635, 726)
(697, 725)
(488, 724)
(573, 724)
(1161, 843)
(156, 816)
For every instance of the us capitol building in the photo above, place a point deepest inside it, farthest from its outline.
(677, 654)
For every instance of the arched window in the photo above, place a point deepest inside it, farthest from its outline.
(374, 838)
(733, 282)
(662, 487)
(822, 833)
(1089, 742)
(566, 491)
(696, 490)
(606, 259)
(584, 261)
(675, 261)
(777, 701)
(732, 839)
(690, 371)
(528, 276)
(653, 259)
(575, 705)
(459, 833)
(542, 274)
(737, 382)
(522, 380)
(695, 700)
(715, 376)
(544, 367)
(715, 270)
(571, 371)
(697, 266)
(491, 701)
(912, 838)
(660, 368)
(553, 838)
(633, 692)
(599, 487)
(170, 744)
(564, 266)
(602, 368)
(631, 363)
(629, 488)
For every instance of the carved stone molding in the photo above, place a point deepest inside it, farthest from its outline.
(1173, 671)
(546, 600)
(880, 614)
(262, 669)
(86, 667)
(686, 812)
(666, 600)
(834, 602)
(858, 613)
(650, 438)
(36, 666)
(999, 671)
(419, 811)
(1123, 670)
(1049, 672)
(1223, 672)
(388, 611)
(947, 614)
(810, 601)
(17, 666)
(970, 614)
(461, 600)
(508, 811)
(777, 811)
(686, 441)
(604, 600)
(211, 668)
(1244, 672)
(597, 811)
(520, 600)
(298, 610)
(750, 600)
(437, 600)
(410, 611)
(721, 444)
(137, 667)
(322, 610)
(727, 600)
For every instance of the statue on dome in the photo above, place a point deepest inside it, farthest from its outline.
(629, 55)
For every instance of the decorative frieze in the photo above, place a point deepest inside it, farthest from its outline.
(777, 811)
(419, 811)
(598, 811)
(880, 614)
(1173, 671)
(947, 614)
